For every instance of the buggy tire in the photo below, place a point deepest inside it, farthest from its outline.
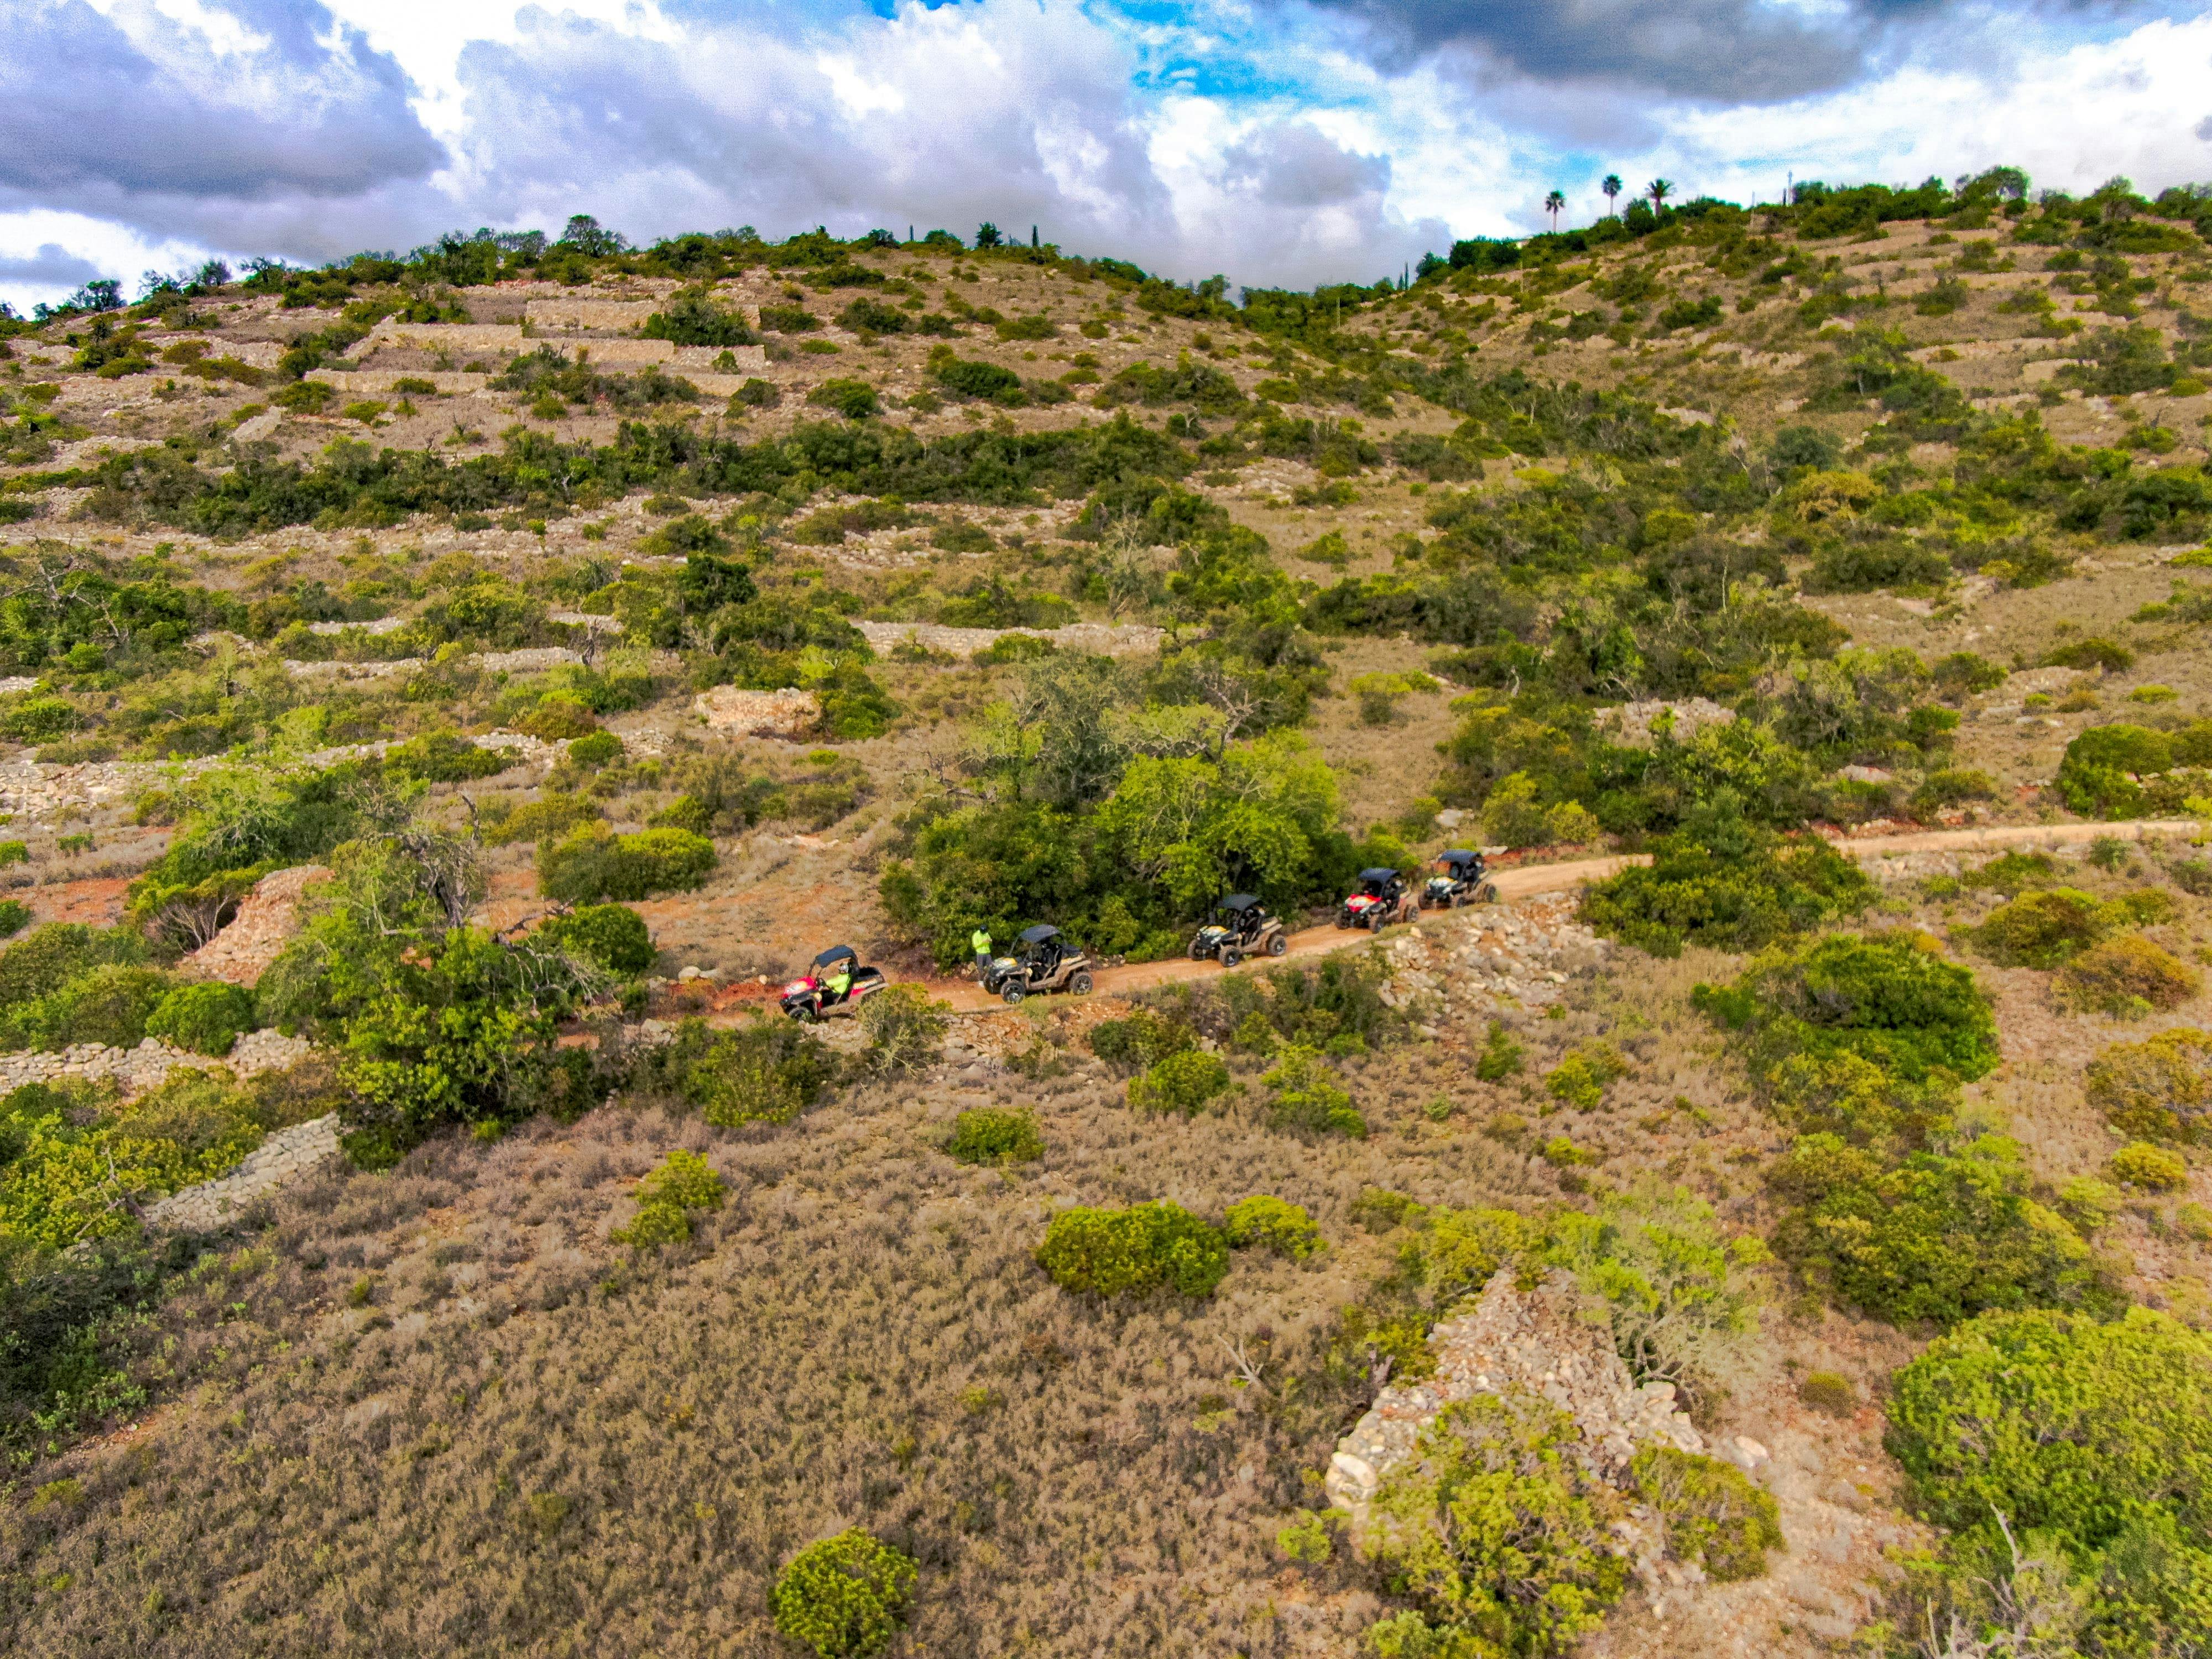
(1277, 945)
(1413, 913)
(1230, 958)
(804, 1014)
(1012, 995)
(1078, 983)
(1378, 924)
(1487, 894)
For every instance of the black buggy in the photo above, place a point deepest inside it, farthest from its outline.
(1243, 929)
(1041, 962)
(1459, 879)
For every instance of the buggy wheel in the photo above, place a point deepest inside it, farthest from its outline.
(1012, 995)
(1488, 893)
(1078, 983)
(1230, 958)
(1413, 913)
(1376, 924)
(1277, 945)
(805, 1013)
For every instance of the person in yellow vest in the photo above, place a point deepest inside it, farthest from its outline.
(841, 979)
(981, 940)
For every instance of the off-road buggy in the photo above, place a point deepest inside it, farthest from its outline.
(1459, 879)
(813, 994)
(1041, 962)
(1243, 929)
(1383, 898)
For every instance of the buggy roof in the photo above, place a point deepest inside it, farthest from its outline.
(1378, 875)
(836, 953)
(1459, 858)
(1040, 934)
(1240, 902)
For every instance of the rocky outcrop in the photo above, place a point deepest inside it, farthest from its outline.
(283, 1158)
(789, 713)
(1636, 724)
(1514, 1339)
(1099, 638)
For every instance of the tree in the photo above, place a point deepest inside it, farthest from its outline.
(1659, 189)
(1611, 188)
(1552, 203)
(585, 234)
(986, 234)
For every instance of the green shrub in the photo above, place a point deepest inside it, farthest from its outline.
(904, 1028)
(1272, 1224)
(1497, 1533)
(1132, 1252)
(1455, 1252)
(612, 935)
(1939, 1237)
(974, 380)
(109, 1004)
(855, 399)
(2100, 774)
(1829, 1393)
(2043, 929)
(547, 819)
(985, 1136)
(2158, 1089)
(1728, 885)
(1142, 1039)
(766, 1072)
(1712, 1513)
(1580, 1080)
(1501, 1056)
(2092, 1438)
(2154, 1169)
(562, 720)
(15, 917)
(665, 1198)
(846, 1596)
(592, 863)
(206, 1018)
(1181, 1082)
(596, 749)
(1889, 998)
(15, 851)
(446, 758)
(2128, 977)
(1305, 1096)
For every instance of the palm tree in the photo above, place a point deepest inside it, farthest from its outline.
(1611, 188)
(1659, 189)
(1552, 203)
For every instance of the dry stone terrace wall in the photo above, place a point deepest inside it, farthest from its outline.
(148, 1065)
(284, 1158)
(1125, 641)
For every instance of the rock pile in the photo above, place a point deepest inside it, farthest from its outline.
(279, 1160)
(1518, 953)
(1129, 639)
(1532, 1340)
(1635, 723)
(789, 713)
(266, 922)
(148, 1065)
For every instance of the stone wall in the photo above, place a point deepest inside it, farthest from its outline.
(148, 1065)
(286, 1157)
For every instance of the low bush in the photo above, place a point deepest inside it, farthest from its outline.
(768, 1072)
(547, 819)
(1581, 1078)
(207, 1019)
(855, 399)
(1132, 1252)
(2116, 772)
(2154, 1169)
(1304, 1097)
(596, 749)
(1501, 1056)
(1939, 1236)
(904, 1029)
(1455, 1252)
(666, 1199)
(2085, 1443)
(444, 757)
(592, 863)
(108, 1005)
(1181, 1082)
(1272, 1224)
(1141, 1041)
(1891, 999)
(1829, 1393)
(1712, 1513)
(2129, 976)
(2046, 927)
(1497, 1534)
(613, 936)
(2158, 1089)
(846, 1596)
(1723, 883)
(15, 917)
(985, 1135)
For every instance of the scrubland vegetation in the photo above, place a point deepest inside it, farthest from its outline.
(637, 1319)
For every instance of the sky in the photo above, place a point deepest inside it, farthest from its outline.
(1275, 142)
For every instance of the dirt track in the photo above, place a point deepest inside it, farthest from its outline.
(1528, 879)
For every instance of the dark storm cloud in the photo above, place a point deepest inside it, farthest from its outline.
(1292, 164)
(51, 267)
(92, 113)
(1729, 51)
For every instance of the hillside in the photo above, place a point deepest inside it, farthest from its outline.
(504, 667)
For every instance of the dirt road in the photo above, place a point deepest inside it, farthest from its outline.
(1526, 880)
